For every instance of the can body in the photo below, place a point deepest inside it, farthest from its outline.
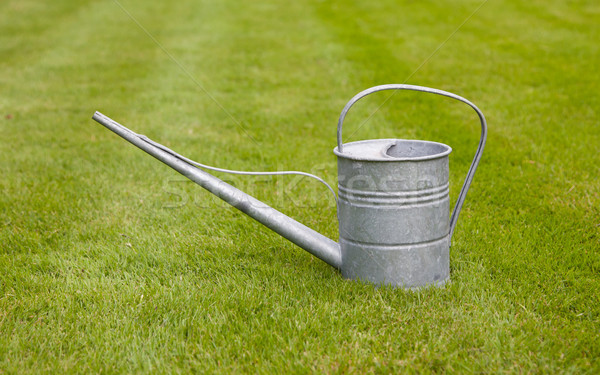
(394, 212)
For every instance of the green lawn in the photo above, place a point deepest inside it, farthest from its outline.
(111, 262)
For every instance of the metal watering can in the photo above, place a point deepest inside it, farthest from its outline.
(393, 208)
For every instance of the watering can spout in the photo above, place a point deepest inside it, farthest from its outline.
(308, 239)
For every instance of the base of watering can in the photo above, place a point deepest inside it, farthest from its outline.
(411, 266)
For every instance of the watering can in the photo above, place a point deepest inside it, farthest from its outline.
(394, 216)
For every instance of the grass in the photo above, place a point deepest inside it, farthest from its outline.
(110, 262)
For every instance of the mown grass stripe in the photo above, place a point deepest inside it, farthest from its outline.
(109, 264)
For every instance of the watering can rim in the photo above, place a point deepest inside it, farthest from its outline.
(384, 157)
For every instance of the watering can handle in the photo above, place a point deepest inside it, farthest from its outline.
(476, 159)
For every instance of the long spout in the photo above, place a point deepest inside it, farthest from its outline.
(315, 243)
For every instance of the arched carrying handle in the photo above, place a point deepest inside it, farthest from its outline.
(476, 159)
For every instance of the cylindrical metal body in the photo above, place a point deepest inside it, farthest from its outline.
(394, 212)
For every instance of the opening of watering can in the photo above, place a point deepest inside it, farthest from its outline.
(409, 149)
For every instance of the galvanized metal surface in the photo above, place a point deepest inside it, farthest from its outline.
(394, 213)
(393, 209)
(394, 206)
